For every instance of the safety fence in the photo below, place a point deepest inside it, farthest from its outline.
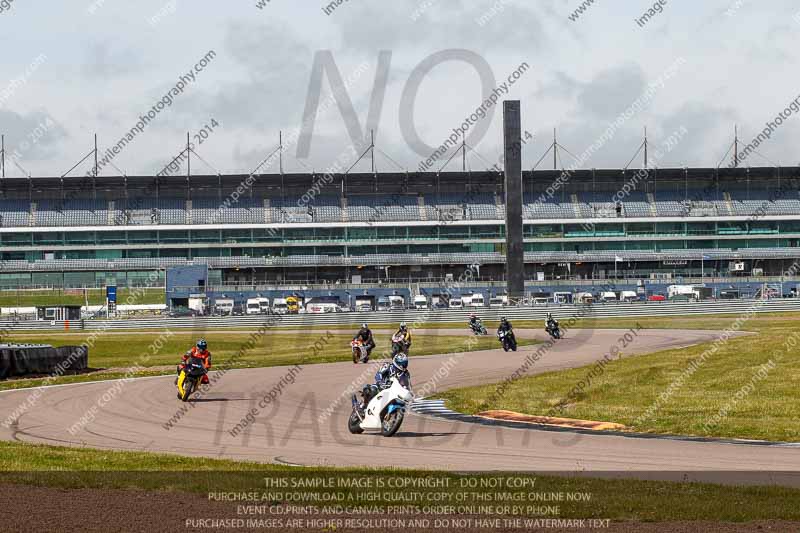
(307, 320)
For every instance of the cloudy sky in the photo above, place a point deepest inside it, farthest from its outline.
(70, 69)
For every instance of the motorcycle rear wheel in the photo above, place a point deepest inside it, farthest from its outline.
(391, 422)
(354, 424)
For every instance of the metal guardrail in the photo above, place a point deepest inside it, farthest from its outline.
(600, 310)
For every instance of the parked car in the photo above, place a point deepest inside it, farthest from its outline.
(656, 298)
(181, 311)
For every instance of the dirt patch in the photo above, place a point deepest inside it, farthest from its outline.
(500, 414)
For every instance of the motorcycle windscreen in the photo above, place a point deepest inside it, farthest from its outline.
(405, 380)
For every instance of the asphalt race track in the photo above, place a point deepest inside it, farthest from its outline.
(295, 429)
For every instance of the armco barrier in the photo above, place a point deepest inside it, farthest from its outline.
(21, 360)
(602, 310)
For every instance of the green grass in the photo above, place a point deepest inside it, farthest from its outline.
(614, 499)
(628, 387)
(31, 298)
(121, 351)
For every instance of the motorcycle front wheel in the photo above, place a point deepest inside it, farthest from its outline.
(355, 356)
(391, 422)
(354, 424)
(188, 388)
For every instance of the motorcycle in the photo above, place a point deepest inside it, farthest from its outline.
(508, 340)
(478, 328)
(360, 351)
(384, 411)
(399, 344)
(554, 331)
(190, 377)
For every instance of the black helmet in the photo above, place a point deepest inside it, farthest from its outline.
(202, 345)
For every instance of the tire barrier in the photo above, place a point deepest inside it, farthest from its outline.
(41, 359)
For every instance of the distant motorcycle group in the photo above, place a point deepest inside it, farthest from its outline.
(363, 343)
(505, 333)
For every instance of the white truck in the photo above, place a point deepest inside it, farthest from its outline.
(608, 296)
(628, 296)
(223, 306)
(498, 301)
(253, 306)
(681, 292)
(456, 302)
(323, 307)
(396, 302)
(197, 304)
(279, 306)
(264, 303)
(473, 300)
(420, 301)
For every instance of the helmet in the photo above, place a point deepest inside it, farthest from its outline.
(400, 362)
(472, 315)
(503, 319)
(402, 325)
(549, 316)
(202, 344)
(364, 326)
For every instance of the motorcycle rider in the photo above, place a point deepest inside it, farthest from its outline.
(404, 335)
(474, 322)
(550, 323)
(365, 336)
(505, 326)
(398, 367)
(199, 350)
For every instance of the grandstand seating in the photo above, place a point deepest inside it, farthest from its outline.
(383, 207)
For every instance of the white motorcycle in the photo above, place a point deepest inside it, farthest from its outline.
(385, 411)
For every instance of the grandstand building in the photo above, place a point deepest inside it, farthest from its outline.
(308, 228)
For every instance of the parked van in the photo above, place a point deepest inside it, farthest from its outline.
(397, 302)
(584, 298)
(628, 296)
(420, 301)
(456, 302)
(279, 306)
(498, 301)
(383, 304)
(253, 306)
(365, 303)
(608, 296)
(223, 306)
(264, 303)
(476, 300)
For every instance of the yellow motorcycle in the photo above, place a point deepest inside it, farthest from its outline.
(190, 377)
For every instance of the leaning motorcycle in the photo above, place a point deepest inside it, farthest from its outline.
(190, 377)
(508, 340)
(399, 345)
(360, 351)
(478, 329)
(384, 411)
(553, 331)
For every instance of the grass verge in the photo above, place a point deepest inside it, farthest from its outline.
(119, 352)
(616, 499)
(746, 388)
